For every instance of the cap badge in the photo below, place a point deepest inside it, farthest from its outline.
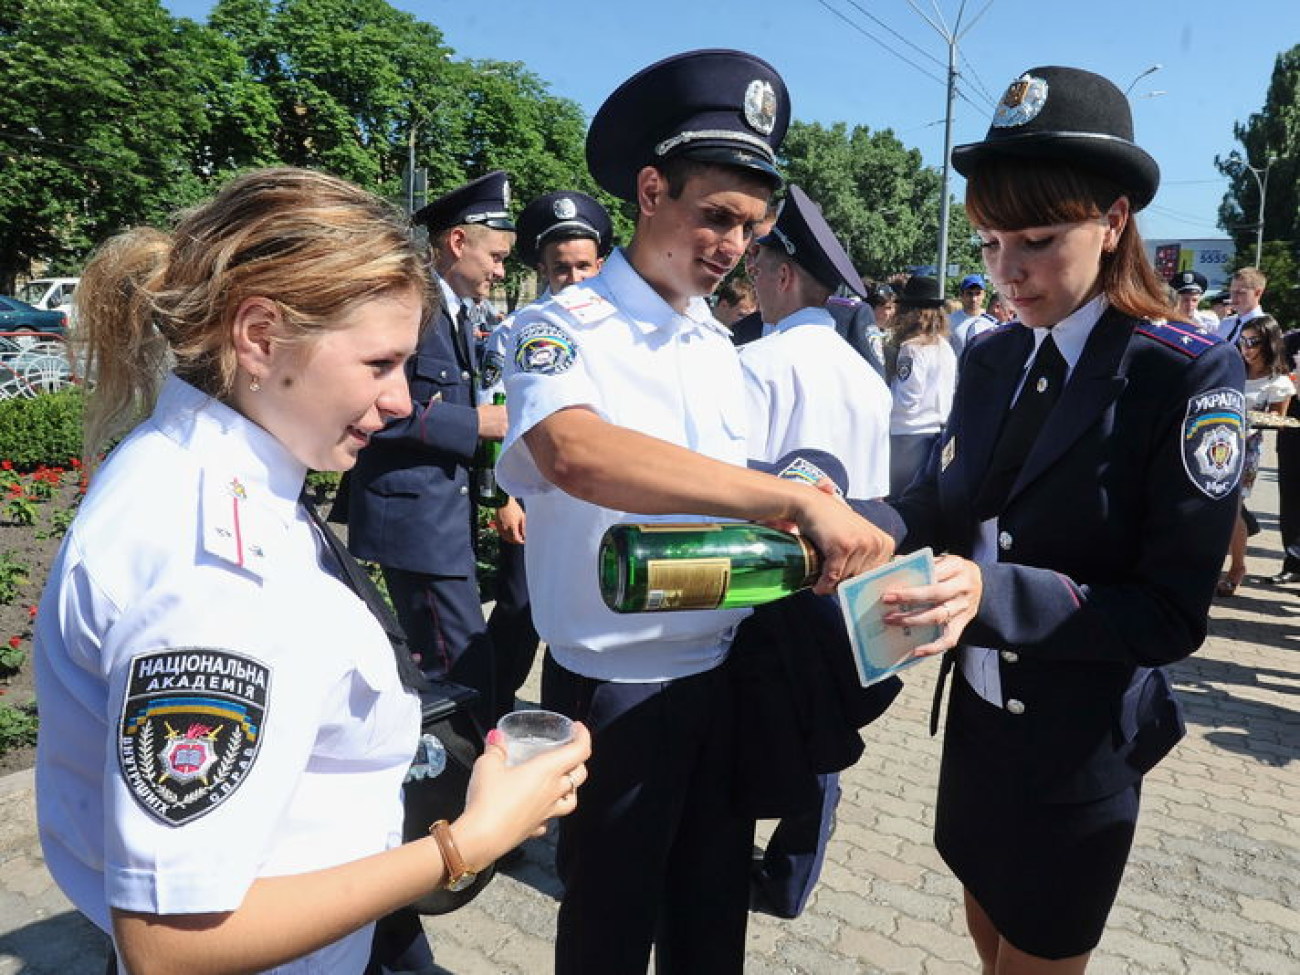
(1024, 99)
(505, 194)
(564, 209)
(760, 106)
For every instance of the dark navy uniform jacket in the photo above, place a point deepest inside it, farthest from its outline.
(409, 504)
(1108, 549)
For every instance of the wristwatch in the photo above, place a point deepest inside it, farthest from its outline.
(459, 875)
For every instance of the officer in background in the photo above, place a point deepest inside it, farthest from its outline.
(627, 401)
(1189, 287)
(971, 319)
(804, 391)
(565, 237)
(410, 507)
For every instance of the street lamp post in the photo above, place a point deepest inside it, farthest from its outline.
(1261, 180)
(1151, 70)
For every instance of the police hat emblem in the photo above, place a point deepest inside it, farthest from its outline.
(1213, 449)
(564, 208)
(1189, 281)
(190, 729)
(760, 106)
(1021, 103)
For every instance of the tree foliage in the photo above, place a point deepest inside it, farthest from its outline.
(1271, 133)
(882, 202)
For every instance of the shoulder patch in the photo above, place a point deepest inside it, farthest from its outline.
(191, 729)
(904, 367)
(1214, 440)
(584, 305)
(802, 469)
(545, 348)
(490, 369)
(1187, 339)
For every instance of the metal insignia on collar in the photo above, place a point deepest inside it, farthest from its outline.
(564, 209)
(1024, 99)
(760, 106)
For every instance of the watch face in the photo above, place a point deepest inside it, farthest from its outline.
(457, 884)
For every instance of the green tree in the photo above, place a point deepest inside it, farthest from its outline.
(107, 113)
(876, 193)
(1271, 133)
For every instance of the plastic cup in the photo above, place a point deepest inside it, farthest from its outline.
(529, 733)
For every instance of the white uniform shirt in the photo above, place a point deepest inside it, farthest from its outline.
(923, 386)
(1230, 328)
(215, 706)
(612, 345)
(980, 664)
(807, 387)
(965, 327)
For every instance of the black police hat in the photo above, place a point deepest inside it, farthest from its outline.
(1222, 298)
(715, 106)
(803, 233)
(484, 201)
(563, 216)
(1189, 281)
(1072, 115)
(920, 292)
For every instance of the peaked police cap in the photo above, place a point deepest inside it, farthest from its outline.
(718, 106)
(567, 215)
(803, 233)
(484, 201)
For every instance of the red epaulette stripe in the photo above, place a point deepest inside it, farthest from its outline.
(239, 535)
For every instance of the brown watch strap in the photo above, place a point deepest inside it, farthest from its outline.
(455, 863)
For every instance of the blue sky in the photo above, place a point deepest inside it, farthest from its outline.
(1216, 62)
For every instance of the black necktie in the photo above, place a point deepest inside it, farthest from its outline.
(351, 572)
(465, 336)
(1041, 389)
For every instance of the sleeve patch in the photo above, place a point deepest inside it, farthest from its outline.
(191, 729)
(904, 368)
(490, 370)
(1213, 440)
(545, 348)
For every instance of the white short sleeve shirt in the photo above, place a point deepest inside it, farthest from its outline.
(216, 707)
(614, 346)
(806, 388)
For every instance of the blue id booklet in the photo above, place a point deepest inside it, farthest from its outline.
(880, 650)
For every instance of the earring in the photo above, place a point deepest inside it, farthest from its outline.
(254, 385)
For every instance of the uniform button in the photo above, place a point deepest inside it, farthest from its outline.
(1016, 707)
(442, 373)
(464, 375)
(464, 489)
(1010, 656)
(1004, 540)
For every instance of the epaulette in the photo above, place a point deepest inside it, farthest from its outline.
(584, 305)
(1187, 339)
(1001, 329)
(234, 530)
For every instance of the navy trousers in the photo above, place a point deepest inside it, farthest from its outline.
(510, 628)
(444, 624)
(795, 853)
(655, 853)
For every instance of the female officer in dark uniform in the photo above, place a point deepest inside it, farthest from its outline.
(1086, 484)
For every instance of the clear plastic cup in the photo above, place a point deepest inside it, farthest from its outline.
(529, 733)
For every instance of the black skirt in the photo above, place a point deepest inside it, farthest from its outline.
(1045, 873)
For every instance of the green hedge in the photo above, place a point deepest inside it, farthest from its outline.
(43, 430)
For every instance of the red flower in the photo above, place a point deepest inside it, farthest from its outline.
(6, 465)
(31, 612)
(15, 642)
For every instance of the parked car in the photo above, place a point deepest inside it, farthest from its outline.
(49, 293)
(19, 316)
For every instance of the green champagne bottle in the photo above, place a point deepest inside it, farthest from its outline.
(650, 567)
(486, 490)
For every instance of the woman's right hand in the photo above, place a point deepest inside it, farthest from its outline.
(506, 805)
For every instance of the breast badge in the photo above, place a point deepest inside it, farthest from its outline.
(1213, 435)
(190, 730)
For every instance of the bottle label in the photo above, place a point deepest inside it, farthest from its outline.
(687, 583)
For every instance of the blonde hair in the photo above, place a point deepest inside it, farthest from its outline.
(1252, 277)
(314, 244)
